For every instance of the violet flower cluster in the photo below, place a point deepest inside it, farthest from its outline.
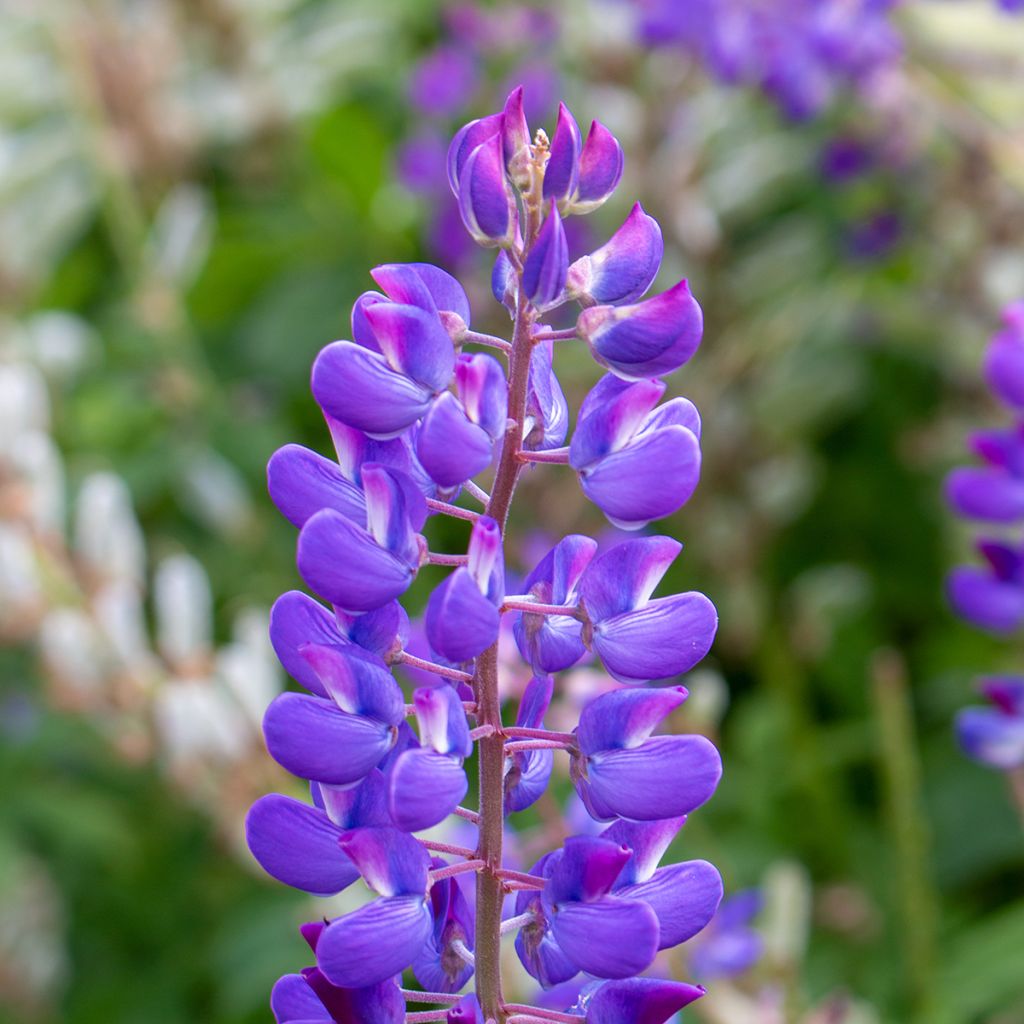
(801, 53)
(991, 596)
(416, 413)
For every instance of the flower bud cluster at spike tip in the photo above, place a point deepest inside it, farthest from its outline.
(418, 415)
(991, 596)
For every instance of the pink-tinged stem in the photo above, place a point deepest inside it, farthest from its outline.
(405, 658)
(478, 492)
(511, 924)
(455, 851)
(476, 338)
(556, 456)
(511, 748)
(521, 876)
(481, 731)
(543, 1013)
(567, 335)
(435, 558)
(428, 997)
(510, 604)
(467, 814)
(455, 869)
(422, 1016)
(539, 734)
(521, 887)
(452, 510)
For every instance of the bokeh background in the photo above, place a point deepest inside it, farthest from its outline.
(191, 195)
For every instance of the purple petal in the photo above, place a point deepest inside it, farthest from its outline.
(395, 510)
(358, 388)
(679, 412)
(648, 479)
(630, 783)
(359, 682)
(683, 896)
(585, 870)
(451, 447)
(485, 558)
(1004, 368)
(562, 172)
(485, 199)
(343, 563)
(649, 339)
(361, 806)
(1006, 692)
(640, 1001)
(986, 601)
(516, 138)
(534, 703)
(624, 577)
(483, 391)
(438, 968)
(600, 169)
(550, 643)
(667, 636)
(292, 1000)
(414, 343)
(391, 862)
(301, 483)
(527, 778)
(466, 1011)
(442, 720)
(313, 739)
(546, 408)
(547, 262)
(403, 285)
(990, 494)
(466, 141)
(504, 283)
(449, 296)
(382, 631)
(461, 622)
(539, 951)
(648, 840)
(362, 332)
(373, 1004)
(425, 788)
(297, 619)
(610, 938)
(624, 267)
(375, 942)
(298, 845)
(611, 414)
(625, 718)
(991, 737)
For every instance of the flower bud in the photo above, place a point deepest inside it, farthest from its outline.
(649, 339)
(486, 202)
(600, 170)
(466, 140)
(561, 176)
(623, 268)
(547, 262)
(516, 139)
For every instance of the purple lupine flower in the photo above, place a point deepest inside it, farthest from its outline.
(623, 268)
(427, 782)
(309, 996)
(635, 462)
(440, 82)
(551, 643)
(619, 769)
(730, 946)
(576, 925)
(639, 639)
(527, 771)
(415, 418)
(1004, 359)
(994, 735)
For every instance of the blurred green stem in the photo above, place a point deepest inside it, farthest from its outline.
(908, 825)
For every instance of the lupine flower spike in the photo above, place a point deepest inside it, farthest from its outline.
(416, 415)
(992, 596)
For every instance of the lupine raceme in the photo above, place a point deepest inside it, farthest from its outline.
(991, 596)
(418, 410)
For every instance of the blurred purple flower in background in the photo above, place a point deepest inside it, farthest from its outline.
(415, 419)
